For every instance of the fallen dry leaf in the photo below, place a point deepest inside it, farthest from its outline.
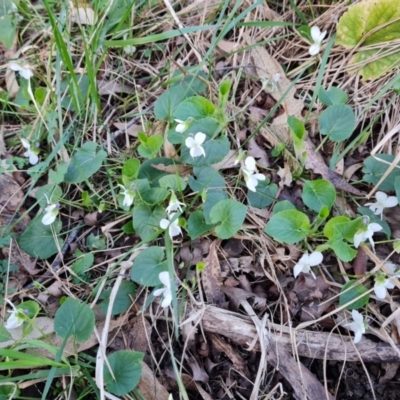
(285, 175)
(227, 47)
(237, 295)
(11, 195)
(17, 256)
(258, 153)
(112, 87)
(82, 13)
(181, 170)
(211, 276)
(132, 130)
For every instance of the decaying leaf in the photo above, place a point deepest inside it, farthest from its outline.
(182, 170)
(211, 276)
(81, 12)
(17, 256)
(132, 130)
(237, 295)
(285, 175)
(258, 153)
(112, 87)
(11, 195)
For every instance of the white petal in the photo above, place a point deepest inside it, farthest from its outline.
(164, 223)
(305, 259)
(315, 33)
(322, 36)
(380, 291)
(167, 299)
(381, 197)
(358, 239)
(259, 177)
(158, 292)
(251, 183)
(315, 258)
(375, 208)
(297, 269)
(197, 151)
(314, 49)
(164, 278)
(25, 143)
(13, 321)
(26, 73)
(15, 67)
(33, 158)
(357, 317)
(179, 121)
(375, 227)
(250, 164)
(391, 202)
(180, 128)
(357, 336)
(49, 218)
(389, 284)
(200, 137)
(190, 142)
(174, 231)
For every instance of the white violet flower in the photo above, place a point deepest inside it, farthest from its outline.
(128, 196)
(166, 290)
(195, 144)
(383, 201)
(128, 49)
(16, 318)
(306, 262)
(172, 224)
(51, 212)
(381, 284)
(25, 71)
(393, 269)
(182, 125)
(174, 204)
(366, 233)
(317, 37)
(250, 177)
(31, 152)
(358, 325)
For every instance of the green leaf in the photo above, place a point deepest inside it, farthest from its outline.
(154, 196)
(351, 290)
(41, 241)
(53, 193)
(212, 197)
(116, 10)
(343, 251)
(282, 206)
(264, 195)
(318, 193)
(196, 107)
(147, 170)
(396, 246)
(298, 131)
(371, 23)
(332, 96)
(58, 176)
(288, 226)
(67, 85)
(82, 264)
(174, 182)
(5, 335)
(230, 214)
(148, 265)
(7, 31)
(189, 81)
(206, 178)
(146, 221)
(130, 170)
(338, 122)
(397, 187)
(376, 166)
(167, 103)
(96, 242)
(74, 318)
(223, 93)
(85, 162)
(215, 149)
(196, 225)
(31, 308)
(151, 147)
(126, 367)
(330, 225)
(122, 301)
